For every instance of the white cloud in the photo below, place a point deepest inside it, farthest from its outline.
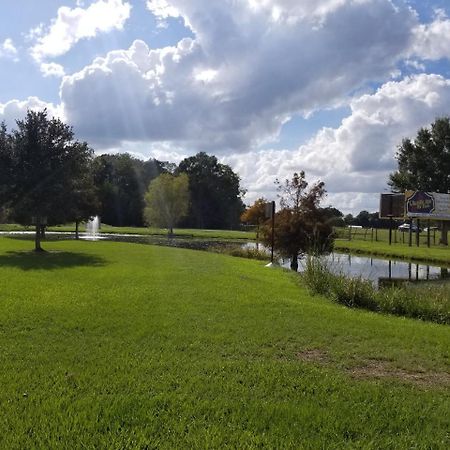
(244, 74)
(8, 50)
(432, 41)
(354, 159)
(74, 24)
(52, 70)
(17, 109)
(162, 9)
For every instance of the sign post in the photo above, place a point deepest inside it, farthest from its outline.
(392, 206)
(270, 214)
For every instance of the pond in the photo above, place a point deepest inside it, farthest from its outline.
(380, 271)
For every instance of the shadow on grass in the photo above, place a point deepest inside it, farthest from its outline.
(30, 260)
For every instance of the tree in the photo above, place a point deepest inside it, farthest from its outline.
(122, 182)
(301, 226)
(46, 166)
(167, 200)
(334, 216)
(255, 215)
(84, 201)
(424, 164)
(215, 193)
(5, 165)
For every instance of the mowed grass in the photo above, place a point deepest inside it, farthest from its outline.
(152, 231)
(115, 345)
(403, 251)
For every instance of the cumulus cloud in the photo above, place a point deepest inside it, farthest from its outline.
(17, 109)
(162, 9)
(74, 24)
(354, 159)
(246, 71)
(52, 70)
(432, 40)
(8, 50)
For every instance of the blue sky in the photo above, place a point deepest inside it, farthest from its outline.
(270, 86)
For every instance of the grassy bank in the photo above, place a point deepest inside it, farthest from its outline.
(401, 251)
(183, 232)
(426, 301)
(115, 345)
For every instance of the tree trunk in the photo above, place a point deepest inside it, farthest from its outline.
(37, 237)
(170, 231)
(294, 262)
(77, 236)
(42, 231)
(257, 235)
(444, 233)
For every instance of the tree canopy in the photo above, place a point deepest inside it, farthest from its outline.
(214, 191)
(301, 226)
(424, 164)
(45, 166)
(122, 182)
(167, 200)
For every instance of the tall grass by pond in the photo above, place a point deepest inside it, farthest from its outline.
(430, 301)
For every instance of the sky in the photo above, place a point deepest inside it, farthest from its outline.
(271, 87)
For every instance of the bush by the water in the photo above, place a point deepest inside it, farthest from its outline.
(427, 302)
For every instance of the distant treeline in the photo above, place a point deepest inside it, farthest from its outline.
(121, 181)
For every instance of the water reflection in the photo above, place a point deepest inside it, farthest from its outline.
(380, 271)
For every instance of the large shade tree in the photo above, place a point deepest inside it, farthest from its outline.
(215, 193)
(46, 164)
(424, 163)
(167, 201)
(301, 225)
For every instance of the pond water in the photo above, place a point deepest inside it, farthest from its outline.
(380, 271)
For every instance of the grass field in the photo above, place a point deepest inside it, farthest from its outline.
(115, 345)
(184, 232)
(382, 235)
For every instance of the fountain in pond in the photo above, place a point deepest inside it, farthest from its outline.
(92, 227)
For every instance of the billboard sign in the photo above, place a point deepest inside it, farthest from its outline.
(427, 205)
(392, 206)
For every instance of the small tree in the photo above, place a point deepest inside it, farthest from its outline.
(46, 164)
(424, 164)
(167, 200)
(255, 215)
(301, 226)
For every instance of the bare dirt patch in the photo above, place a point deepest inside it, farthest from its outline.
(313, 355)
(379, 370)
(383, 370)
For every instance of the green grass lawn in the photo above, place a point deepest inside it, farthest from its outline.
(184, 232)
(115, 345)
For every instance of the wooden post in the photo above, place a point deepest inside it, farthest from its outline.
(410, 233)
(390, 230)
(418, 232)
